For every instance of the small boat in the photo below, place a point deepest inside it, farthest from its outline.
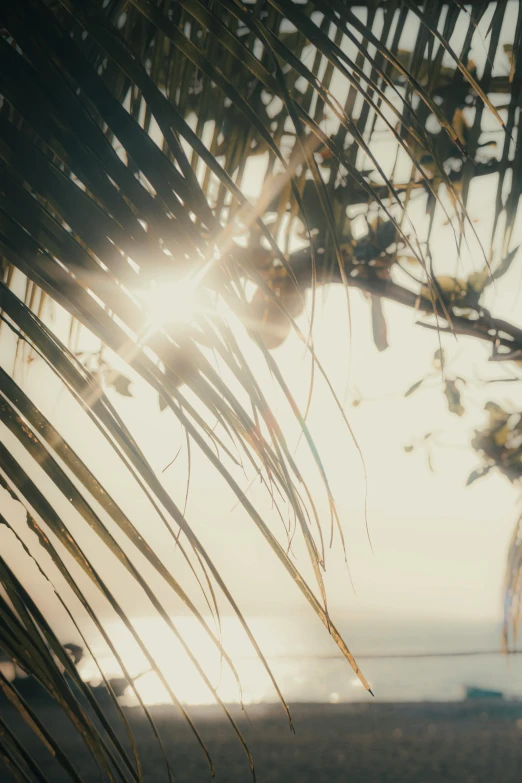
(474, 693)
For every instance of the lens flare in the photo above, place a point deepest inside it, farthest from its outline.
(169, 303)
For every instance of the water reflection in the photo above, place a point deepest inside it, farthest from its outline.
(304, 661)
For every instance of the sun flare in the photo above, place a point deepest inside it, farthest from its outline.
(170, 303)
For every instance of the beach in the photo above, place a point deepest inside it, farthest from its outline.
(464, 742)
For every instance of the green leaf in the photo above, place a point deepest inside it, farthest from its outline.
(453, 397)
(121, 384)
(505, 264)
(414, 388)
(379, 328)
(478, 473)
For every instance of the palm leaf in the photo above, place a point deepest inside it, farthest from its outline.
(107, 186)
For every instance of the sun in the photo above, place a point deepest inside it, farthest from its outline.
(170, 303)
(177, 301)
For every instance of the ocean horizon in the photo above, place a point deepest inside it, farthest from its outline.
(403, 661)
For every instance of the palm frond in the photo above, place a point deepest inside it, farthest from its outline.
(126, 128)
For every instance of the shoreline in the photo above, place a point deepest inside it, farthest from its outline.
(470, 741)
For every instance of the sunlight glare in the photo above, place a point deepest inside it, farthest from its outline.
(180, 672)
(173, 302)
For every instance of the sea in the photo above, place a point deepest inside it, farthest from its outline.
(402, 660)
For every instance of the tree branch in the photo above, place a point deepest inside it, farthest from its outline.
(483, 325)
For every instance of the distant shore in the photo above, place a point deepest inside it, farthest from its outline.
(457, 742)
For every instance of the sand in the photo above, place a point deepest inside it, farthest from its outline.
(468, 742)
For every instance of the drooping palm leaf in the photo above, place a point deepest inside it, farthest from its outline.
(125, 131)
